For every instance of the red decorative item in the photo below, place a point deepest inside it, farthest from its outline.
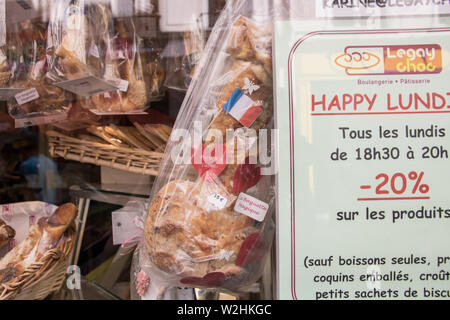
(210, 280)
(210, 166)
(252, 250)
(246, 176)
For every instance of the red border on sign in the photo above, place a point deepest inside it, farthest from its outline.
(292, 122)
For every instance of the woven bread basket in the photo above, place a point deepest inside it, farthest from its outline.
(132, 160)
(44, 277)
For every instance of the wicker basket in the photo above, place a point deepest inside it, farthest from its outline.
(44, 277)
(132, 160)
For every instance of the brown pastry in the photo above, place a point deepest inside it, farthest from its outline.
(90, 138)
(71, 65)
(42, 237)
(72, 49)
(186, 237)
(6, 233)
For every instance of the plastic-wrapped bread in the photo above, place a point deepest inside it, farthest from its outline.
(123, 67)
(42, 237)
(209, 223)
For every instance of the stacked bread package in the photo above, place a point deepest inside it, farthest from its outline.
(43, 236)
(210, 218)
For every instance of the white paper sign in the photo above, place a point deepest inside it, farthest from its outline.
(87, 86)
(7, 93)
(119, 83)
(27, 96)
(251, 207)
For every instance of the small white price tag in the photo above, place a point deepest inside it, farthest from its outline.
(119, 83)
(217, 200)
(27, 96)
(251, 207)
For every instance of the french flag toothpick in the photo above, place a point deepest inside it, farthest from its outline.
(242, 108)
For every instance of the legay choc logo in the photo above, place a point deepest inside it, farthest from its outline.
(391, 60)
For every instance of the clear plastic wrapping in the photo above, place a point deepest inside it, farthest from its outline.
(210, 221)
(85, 40)
(123, 68)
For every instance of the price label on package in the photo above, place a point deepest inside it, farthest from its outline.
(217, 200)
(364, 154)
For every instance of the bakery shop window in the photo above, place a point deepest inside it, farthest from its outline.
(89, 93)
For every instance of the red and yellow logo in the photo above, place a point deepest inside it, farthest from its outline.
(391, 60)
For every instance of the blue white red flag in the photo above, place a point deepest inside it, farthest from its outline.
(242, 108)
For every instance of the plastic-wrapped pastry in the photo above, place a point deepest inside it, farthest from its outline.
(6, 233)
